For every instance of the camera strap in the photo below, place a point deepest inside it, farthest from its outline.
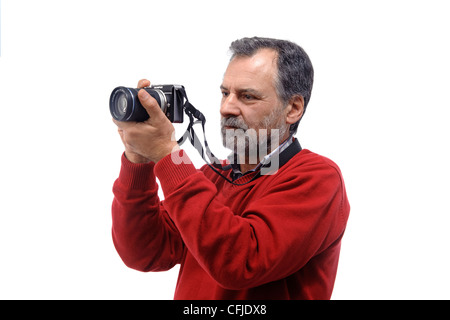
(195, 117)
(214, 163)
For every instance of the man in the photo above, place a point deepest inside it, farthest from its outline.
(257, 236)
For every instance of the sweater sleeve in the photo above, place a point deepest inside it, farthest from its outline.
(143, 234)
(300, 214)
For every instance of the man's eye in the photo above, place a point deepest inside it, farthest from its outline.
(225, 94)
(248, 97)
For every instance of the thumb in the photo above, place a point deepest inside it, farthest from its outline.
(151, 106)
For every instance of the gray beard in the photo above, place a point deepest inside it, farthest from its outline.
(245, 141)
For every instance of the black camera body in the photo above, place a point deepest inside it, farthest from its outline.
(124, 103)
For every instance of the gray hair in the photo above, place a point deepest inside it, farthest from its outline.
(295, 71)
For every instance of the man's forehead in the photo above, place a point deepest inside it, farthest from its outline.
(263, 59)
(244, 70)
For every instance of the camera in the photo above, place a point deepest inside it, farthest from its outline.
(124, 103)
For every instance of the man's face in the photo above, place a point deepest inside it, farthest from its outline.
(250, 100)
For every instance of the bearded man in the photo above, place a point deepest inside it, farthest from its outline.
(273, 228)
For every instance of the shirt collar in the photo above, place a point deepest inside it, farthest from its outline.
(232, 159)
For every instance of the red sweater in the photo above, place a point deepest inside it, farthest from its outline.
(277, 237)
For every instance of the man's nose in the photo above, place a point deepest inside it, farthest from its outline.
(229, 106)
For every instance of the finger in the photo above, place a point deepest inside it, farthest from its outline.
(120, 131)
(123, 124)
(152, 107)
(143, 83)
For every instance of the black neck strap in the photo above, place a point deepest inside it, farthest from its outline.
(283, 158)
(214, 163)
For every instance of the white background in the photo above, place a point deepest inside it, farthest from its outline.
(379, 108)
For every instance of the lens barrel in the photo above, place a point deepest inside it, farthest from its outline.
(124, 103)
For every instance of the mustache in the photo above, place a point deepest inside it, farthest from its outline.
(234, 122)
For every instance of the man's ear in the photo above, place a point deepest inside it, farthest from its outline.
(295, 109)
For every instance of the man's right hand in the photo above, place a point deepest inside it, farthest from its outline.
(150, 140)
(129, 154)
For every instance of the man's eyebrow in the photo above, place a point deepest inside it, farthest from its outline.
(248, 90)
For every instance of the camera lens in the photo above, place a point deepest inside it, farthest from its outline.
(121, 104)
(124, 103)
